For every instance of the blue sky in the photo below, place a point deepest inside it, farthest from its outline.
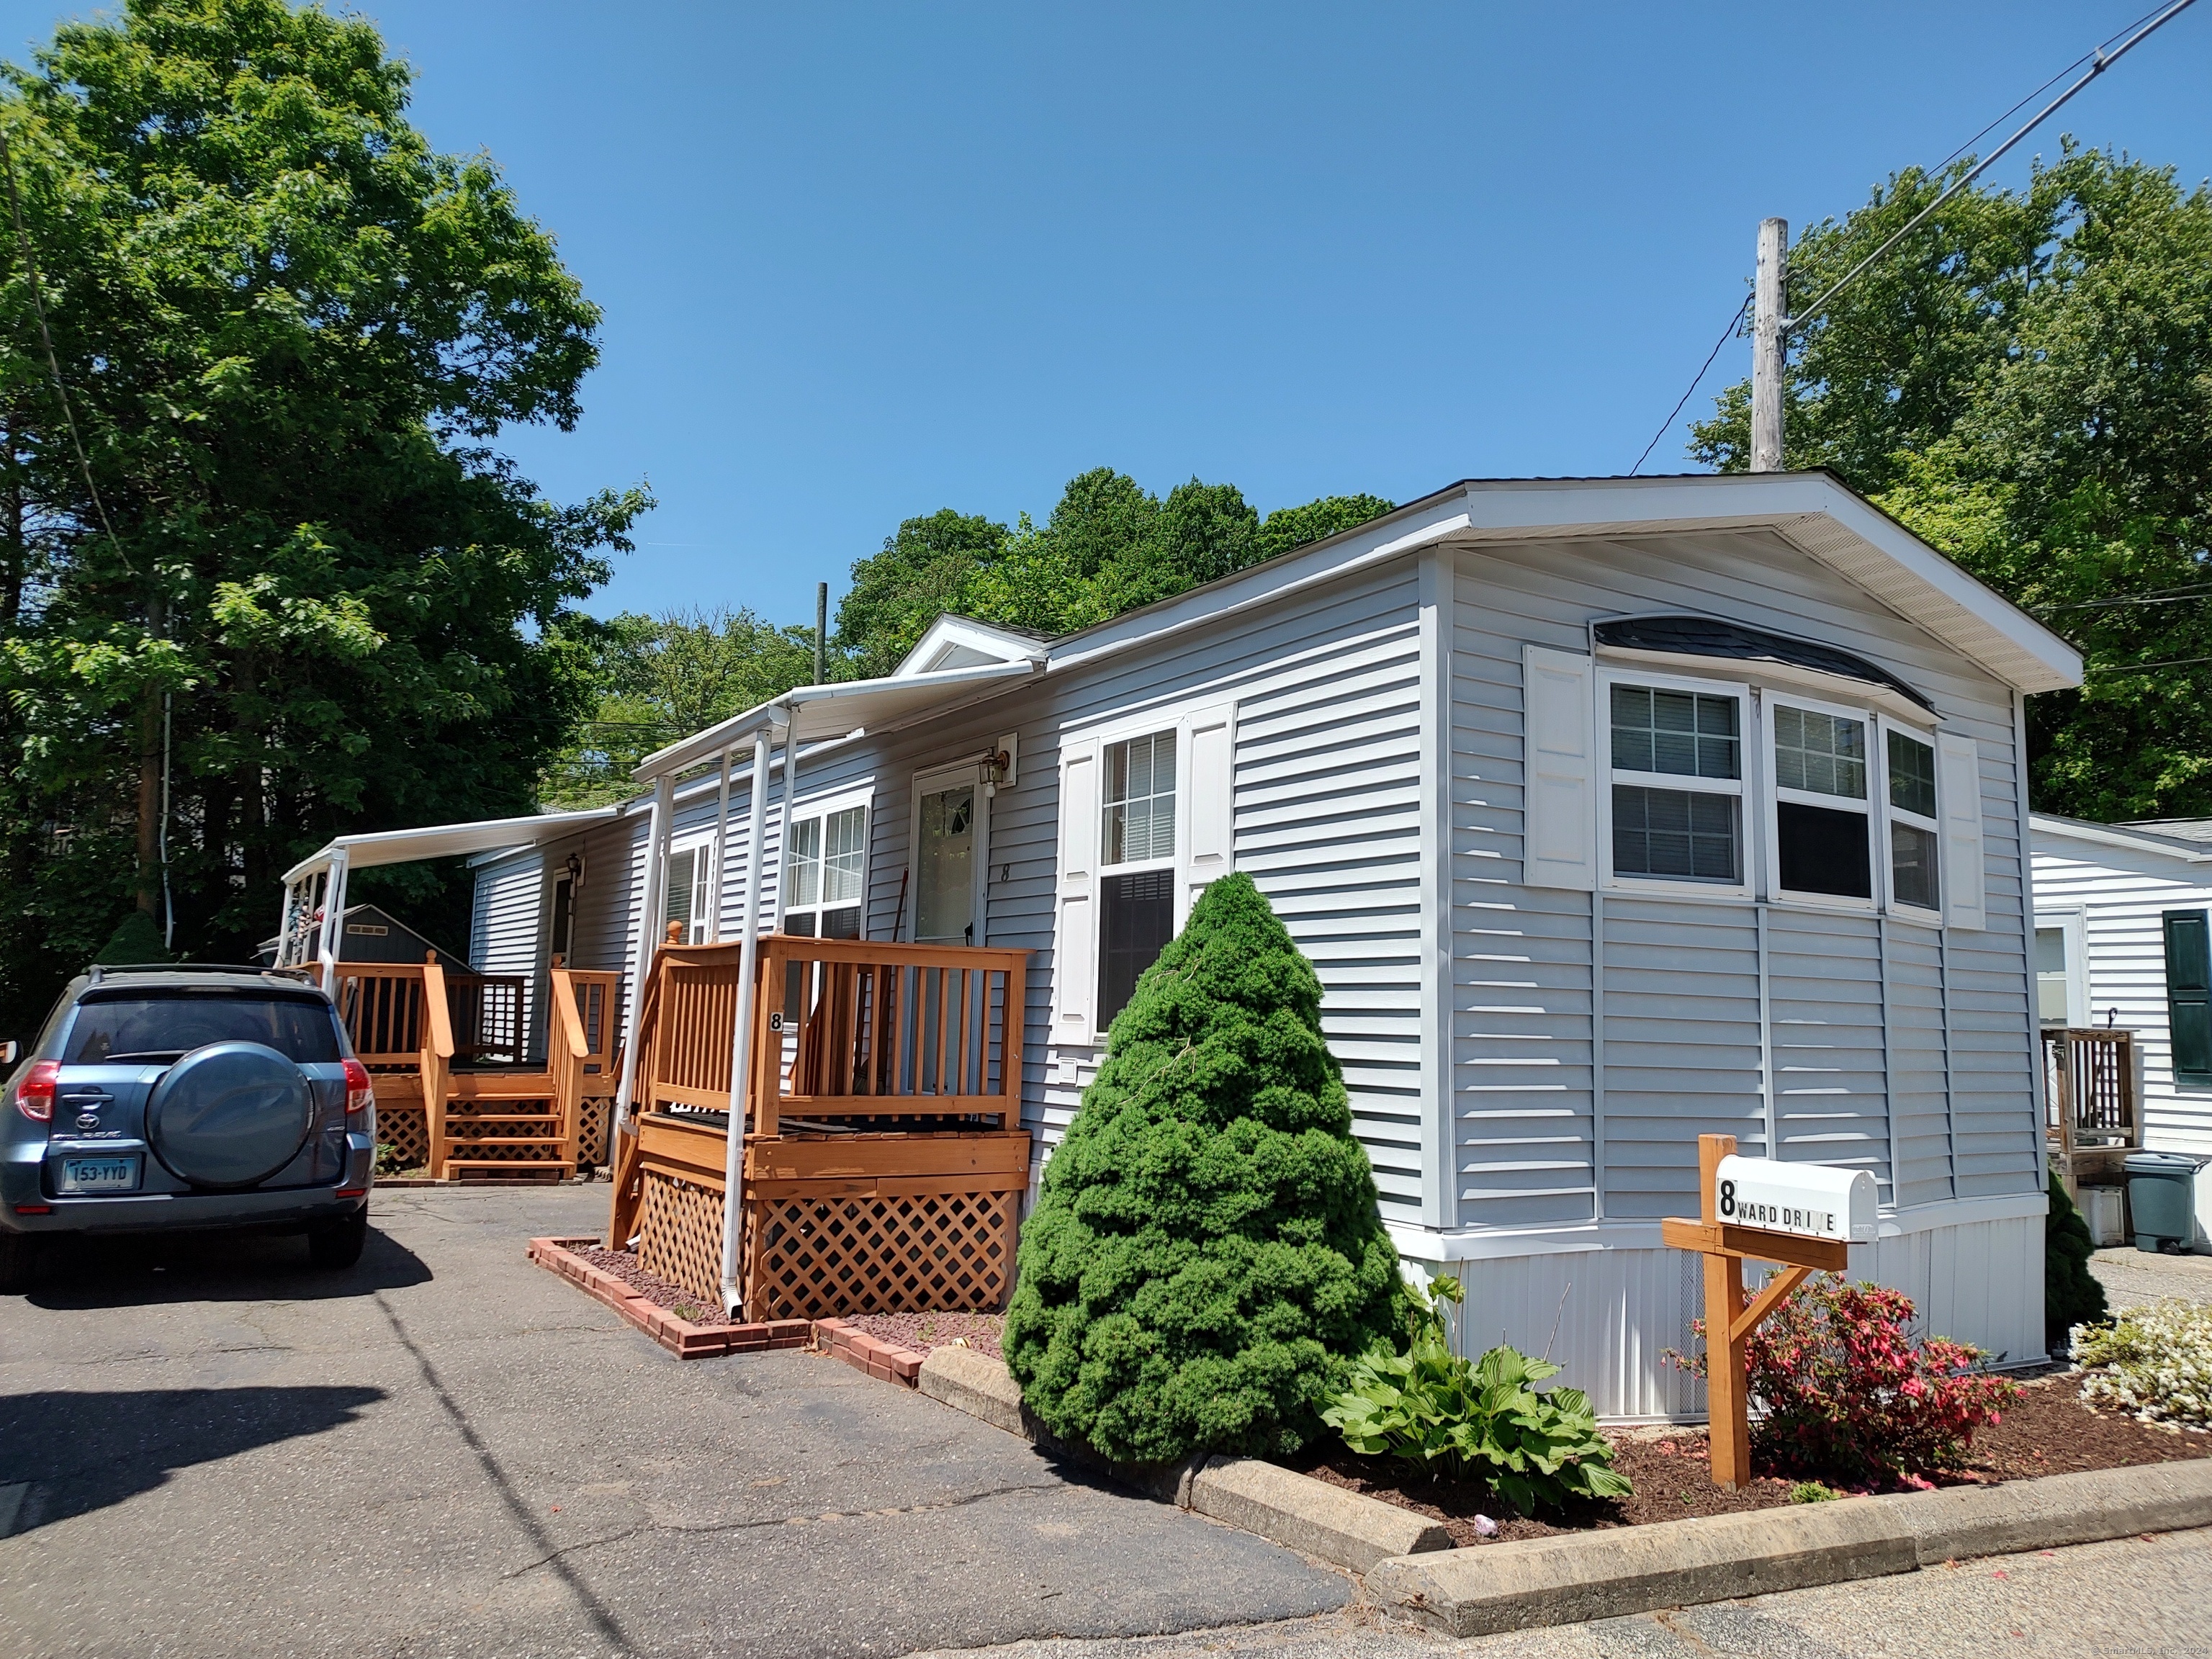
(862, 262)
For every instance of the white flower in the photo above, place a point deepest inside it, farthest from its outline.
(2156, 1361)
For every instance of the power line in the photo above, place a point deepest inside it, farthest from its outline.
(2161, 596)
(2045, 86)
(2140, 667)
(2101, 60)
(1665, 426)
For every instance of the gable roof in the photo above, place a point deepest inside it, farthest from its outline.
(1815, 512)
(2183, 839)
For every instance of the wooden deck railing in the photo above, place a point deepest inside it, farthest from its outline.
(843, 1028)
(2091, 1112)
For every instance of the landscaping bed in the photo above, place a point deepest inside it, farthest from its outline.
(921, 1332)
(685, 1305)
(2048, 1430)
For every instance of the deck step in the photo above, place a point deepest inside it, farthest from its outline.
(462, 1143)
(507, 1169)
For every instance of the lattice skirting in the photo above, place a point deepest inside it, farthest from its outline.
(406, 1129)
(681, 1229)
(816, 1258)
(591, 1143)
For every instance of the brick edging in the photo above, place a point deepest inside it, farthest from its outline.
(889, 1362)
(679, 1336)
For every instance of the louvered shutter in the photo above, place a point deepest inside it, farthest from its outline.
(1075, 946)
(1559, 780)
(1210, 779)
(2189, 996)
(1959, 800)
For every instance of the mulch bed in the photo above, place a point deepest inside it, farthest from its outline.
(923, 1331)
(685, 1305)
(2047, 1431)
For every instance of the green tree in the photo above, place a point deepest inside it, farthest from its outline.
(288, 331)
(664, 678)
(1206, 1258)
(897, 593)
(2026, 383)
(1108, 546)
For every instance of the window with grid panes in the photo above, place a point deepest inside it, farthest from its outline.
(1677, 784)
(1823, 813)
(1136, 888)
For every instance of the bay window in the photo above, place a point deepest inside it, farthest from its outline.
(1823, 813)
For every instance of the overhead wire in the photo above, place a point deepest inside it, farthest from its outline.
(2102, 60)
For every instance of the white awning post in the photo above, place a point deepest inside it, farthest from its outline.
(783, 833)
(648, 927)
(721, 853)
(741, 1033)
(326, 952)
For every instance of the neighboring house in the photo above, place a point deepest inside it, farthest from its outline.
(1610, 811)
(2123, 937)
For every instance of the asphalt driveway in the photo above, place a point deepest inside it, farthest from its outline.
(210, 1449)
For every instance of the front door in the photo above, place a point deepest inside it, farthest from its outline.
(949, 854)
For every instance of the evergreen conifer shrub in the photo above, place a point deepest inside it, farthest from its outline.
(2071, 1294)
(1206, 1258)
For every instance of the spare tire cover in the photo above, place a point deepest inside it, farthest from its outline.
(230, 1114)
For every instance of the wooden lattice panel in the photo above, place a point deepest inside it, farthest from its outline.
(815, 1258)
(681, 1225)
(592, 1138)
(406, 1129)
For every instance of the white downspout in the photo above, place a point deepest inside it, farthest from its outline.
(741, 1035)
(648, 927)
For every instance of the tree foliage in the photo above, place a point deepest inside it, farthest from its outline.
(2027, 382)
(660, 678)
(1108, 546)
(1205, 1259)
(289, 331)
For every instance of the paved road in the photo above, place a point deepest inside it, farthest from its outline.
(2136, 1598)
(211, 1449)
(2130, 1276)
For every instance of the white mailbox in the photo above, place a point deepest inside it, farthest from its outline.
(1813, 1200)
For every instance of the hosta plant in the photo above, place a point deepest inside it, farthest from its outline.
(1841, 1390)
(1486, 1420)
(2156, 1361)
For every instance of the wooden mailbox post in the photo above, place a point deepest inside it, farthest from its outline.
(1803, 1216)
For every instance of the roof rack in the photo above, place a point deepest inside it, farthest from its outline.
(100, 970)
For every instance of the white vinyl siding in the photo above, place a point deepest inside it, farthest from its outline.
(508, 920)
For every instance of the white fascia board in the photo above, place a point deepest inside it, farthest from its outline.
(948, 632)
(2106, 835)
(436, 840)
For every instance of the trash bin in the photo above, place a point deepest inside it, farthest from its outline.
(2162, 1199)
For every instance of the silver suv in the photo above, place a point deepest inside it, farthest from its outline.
(168, 1097)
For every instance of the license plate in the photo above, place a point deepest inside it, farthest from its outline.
(99, 1175)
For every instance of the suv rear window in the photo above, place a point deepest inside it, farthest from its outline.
(158, 1026)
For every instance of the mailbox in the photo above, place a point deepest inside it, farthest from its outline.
(1813, 1200)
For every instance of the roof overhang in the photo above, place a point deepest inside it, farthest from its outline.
(1814, 511)
(2119, 836)
(953, 641)
(813, 714)
(446, 840)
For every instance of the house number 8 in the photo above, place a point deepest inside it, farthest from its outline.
(1727, 1198)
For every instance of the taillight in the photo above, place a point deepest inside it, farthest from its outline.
(34, 1095)
(359, 1095)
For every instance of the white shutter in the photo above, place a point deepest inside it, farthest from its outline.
(1958, 798)
(1075, 946)
(1209, 776)
(1559, 769)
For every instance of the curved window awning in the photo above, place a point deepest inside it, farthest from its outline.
(1707, 637)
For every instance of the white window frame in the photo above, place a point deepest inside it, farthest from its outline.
(1772, 796)
(1740, 787)
(698, 930)
(820, 809)
(2072, 923)
(1891, 812)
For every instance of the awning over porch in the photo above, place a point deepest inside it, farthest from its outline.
(813, 714)
(445, 841)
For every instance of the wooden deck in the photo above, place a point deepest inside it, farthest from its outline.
(2093, 1115)
(883, 1161)
(456, 1091)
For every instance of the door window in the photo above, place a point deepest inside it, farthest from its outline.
(944, 867)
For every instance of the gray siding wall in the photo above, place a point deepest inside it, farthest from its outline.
(507, 925)
(1901, 1048)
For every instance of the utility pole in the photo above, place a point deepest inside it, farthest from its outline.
(1768, 337)
(821, 632)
